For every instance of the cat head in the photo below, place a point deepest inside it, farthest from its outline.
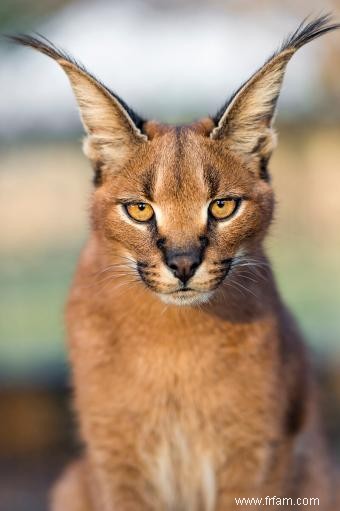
(182, 205)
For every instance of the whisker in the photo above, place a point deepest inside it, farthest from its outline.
(246, 289)
(126, 258)
(102, 288)
(114, 277)
(259, 272)
(245, 276)
(112, 266)
(231, 284)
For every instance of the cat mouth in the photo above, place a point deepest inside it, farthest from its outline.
(185, 293)
(186, 296)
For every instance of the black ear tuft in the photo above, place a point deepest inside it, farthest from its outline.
(307, 31)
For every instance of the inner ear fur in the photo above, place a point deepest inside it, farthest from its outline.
(245, 122)
(113, 129)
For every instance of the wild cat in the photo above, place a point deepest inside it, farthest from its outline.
(191, 381)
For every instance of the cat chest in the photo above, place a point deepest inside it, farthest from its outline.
(195, 443)
(187, 459)
(192, 414)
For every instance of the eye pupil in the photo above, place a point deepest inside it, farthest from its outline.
(140, 211)
(222, 209)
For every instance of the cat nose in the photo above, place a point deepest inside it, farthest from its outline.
(184, 265)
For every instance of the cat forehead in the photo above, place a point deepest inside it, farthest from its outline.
(178, 165)
(183, 162)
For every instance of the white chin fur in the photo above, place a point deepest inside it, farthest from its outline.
(188, 298)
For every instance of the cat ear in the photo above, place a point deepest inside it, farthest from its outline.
(245, 122)
(113, 128)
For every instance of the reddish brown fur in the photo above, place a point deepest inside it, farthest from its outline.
(230, 380)
(186, 408)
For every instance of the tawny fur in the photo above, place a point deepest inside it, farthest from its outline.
(187, 405)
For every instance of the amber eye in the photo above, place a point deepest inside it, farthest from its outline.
(223, 208)
(140, 211)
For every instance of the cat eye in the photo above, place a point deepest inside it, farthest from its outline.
(221, 209)
(140, 211)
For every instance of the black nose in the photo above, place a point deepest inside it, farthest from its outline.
(184, 265)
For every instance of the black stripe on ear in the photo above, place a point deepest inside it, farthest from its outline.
(263, 163)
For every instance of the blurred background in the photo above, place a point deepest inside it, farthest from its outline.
(174, 60)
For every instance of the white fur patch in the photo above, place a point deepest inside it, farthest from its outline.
(204, 214)
(183, 476)
(186, 298)
(158, 213)
(208, 484)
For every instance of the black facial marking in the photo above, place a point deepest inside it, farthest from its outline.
(204, 241)
(222, 269)
(296, 412)
(153, 229)
(145, 274)
(148, 184)
(212, 180)
(264, 174)
(98, 174)
(141, 264)
(160, 243)
(212, 228)
(225, 261)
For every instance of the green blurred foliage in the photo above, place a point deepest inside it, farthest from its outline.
(16, 14)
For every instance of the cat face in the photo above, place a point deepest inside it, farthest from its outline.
(182, 205)
(183, 210)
